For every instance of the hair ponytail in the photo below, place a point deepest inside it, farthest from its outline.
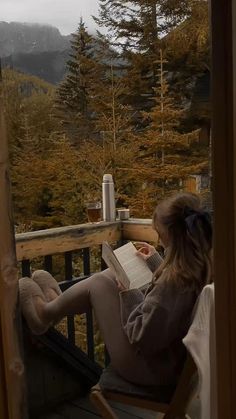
(188, 227)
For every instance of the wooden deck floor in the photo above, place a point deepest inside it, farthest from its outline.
(81, 408)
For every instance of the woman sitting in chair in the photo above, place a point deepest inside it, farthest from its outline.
(143, 332)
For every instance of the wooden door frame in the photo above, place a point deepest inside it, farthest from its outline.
(223, 20)
(12, 377)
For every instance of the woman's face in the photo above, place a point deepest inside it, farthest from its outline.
(162, 233)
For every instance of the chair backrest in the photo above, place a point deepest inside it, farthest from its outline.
(200, 342)
(185, 390)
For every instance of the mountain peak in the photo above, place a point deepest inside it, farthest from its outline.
(17, 37)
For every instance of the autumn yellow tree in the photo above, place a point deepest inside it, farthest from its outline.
(44, 165)
(169, 154)
(117, 146)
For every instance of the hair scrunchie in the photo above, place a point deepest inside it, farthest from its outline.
(191, 217)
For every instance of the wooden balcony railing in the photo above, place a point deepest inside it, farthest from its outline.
(41, 249)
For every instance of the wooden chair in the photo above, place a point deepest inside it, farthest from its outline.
(170, 401)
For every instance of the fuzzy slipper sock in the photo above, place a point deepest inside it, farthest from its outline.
(28, 291)
(47, 283)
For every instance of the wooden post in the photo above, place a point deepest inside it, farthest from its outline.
(223, 18)
(12, 384)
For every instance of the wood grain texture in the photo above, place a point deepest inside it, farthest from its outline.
(12, 383)
(139, 230)
(3, 387)
(65, 239)
(223, 18)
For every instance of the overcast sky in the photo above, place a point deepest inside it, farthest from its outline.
(64, 14)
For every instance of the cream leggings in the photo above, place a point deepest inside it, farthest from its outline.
(101, 293)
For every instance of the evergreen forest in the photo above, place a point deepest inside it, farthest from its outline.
(134, 103)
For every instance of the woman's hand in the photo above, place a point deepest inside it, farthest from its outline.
(145, 250)
(121, 287)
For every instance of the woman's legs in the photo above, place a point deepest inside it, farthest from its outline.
(101, 293)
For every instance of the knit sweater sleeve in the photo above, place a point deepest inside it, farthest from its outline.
(154, 261)
(150, 321)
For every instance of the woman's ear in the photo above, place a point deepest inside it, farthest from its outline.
(163, 243)
(163, 236)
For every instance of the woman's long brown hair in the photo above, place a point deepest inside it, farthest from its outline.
(188, 228)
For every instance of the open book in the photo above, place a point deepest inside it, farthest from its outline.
(130, 269)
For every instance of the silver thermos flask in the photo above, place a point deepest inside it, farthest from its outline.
(108, 198)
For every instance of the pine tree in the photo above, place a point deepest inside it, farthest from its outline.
(169, 155)
(130, 23)
(138, 25)
(76, 93)
(187, 49)
(134, 27)
(117, 146)
(141, 27)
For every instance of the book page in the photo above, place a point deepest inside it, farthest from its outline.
(112, 262)
(135, 268)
